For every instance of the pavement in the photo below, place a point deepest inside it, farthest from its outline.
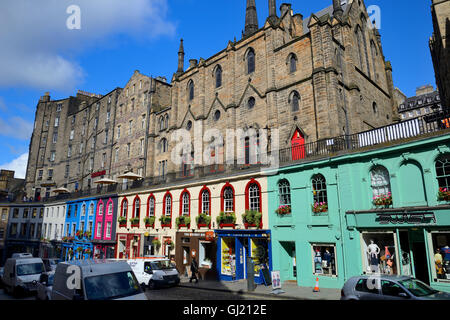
(291, 290)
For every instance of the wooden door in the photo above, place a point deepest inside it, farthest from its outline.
(298, 146)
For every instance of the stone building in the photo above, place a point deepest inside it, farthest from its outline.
(426, 101)
(439, 46)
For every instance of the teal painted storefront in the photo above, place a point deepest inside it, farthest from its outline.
(412, 228)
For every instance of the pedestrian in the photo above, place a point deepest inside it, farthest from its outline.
(194, 270)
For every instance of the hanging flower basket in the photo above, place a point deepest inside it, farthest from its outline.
(149, 222)
(319, 207)
(183, 221)
(283, 210)
(156, 243)
(226, 219)
(444, 194)
(203, 220)
(170, 243)
(383, 200)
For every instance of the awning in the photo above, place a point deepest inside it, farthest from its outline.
(105, 181)
(130, 176)
(61, 190)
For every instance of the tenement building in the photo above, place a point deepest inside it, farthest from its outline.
(439, 46)
(312, 78)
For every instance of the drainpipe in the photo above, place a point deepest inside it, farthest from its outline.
(340, 227)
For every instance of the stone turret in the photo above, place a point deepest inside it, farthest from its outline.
(251, 18)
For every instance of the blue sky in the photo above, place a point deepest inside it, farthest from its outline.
(118, 37)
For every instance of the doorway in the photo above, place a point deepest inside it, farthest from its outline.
(298, 146)
(288, 261)
(420, 261)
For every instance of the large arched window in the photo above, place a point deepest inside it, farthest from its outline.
(374, 53)
(124, 208)
(253, 196)
(185, 204)
(205, 201)
(359, 42)
(167, 205)
(218, 76)
(443, 172)
(284, 192)
(295, 101)
(227, 204)
(292, 61)
(380, 182)
(320, 197)
(250, 61)
(136, 207)
(191, 90)
(151, 206)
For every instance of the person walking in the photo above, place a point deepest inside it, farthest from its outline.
(194, 270)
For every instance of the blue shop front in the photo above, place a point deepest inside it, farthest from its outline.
(233, 248)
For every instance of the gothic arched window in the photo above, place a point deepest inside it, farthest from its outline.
(284, 192)
(218, 76)
(295, 101)
(380, 182)
(191, 90)
(292, 63)
(250, 61)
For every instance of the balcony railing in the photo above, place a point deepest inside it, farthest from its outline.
(416, 127)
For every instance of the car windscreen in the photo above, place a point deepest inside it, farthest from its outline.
(30, 268)
(111, 286)
(162, 265)
(417, 288)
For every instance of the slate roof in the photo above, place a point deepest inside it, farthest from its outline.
(424, 100)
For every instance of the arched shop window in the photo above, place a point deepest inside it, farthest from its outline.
(320, 198)
(381, 186)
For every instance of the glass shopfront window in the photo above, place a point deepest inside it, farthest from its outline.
(440, 256)
(228, 256)
(259, 254)
(324, 260)
(379, 252)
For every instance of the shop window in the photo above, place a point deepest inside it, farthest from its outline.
(227, 199)
(324, 260)
(320, 197)
(441, 256)
(259, 254)
(206, 251)
(205, 201)
(379, 253)
(151, 206)
(228, 256)
(381, 186)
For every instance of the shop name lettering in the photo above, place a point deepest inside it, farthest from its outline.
(416, 218)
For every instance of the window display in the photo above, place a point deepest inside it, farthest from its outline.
(441, 255)
(324, 259)
(380, 253)
(259, 254)
(228, 257)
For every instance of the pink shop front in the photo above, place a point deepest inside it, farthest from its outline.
(104, 237)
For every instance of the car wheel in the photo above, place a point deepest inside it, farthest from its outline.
(151, 285)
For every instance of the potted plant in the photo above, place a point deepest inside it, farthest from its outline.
(170, 243)
(203, 220)
(87, 234)
(226, 219)
(166, 221)
(443, 194)
(383, 200)
(156, 243)
(79, 234)
(283, 210)
(149, 221)
(183, 221)
(252, 218)
(134, 222)
(319, 207)
(122, 221)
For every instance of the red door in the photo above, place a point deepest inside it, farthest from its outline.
(298, 146)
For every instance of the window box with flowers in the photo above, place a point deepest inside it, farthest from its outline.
(252, 219)
(383, 200)
(79, 234)
(122, 222)
(444, 194)
(320, 207)
(166, 221)
(203, 220)
(149, 222)
(183, 221)
(87, 234)
(226, 219)
(134, 222)
(67, 239)
(283, 210)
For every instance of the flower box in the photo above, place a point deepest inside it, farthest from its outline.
(166, 221)
(183, 221)
(226, 219)
(135, 225)
(319, 207)
(227, 225)
(168, 225)
(149, 222)
(203, 220)
(383, 200)
(122, 224)
(250, 226)
(203, 225)
(283, 210)
(443, 194)
(252, 218)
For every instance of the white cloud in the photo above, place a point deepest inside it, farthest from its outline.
(39, 50)
(19, 165)
(16, 127)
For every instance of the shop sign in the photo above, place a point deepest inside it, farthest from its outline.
(98, 174)
(209, 236)
(191, 234)
(407, 218)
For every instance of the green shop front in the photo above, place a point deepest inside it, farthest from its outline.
(404, 241)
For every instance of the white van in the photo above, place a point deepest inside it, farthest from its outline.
(155, 272)
(21, 275)
(95, 280)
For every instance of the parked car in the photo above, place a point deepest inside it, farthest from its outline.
(21, 274)
(155, 272)
(44, 286)
(22, 255)
(386, 287)
(95, 280)
(50, 264)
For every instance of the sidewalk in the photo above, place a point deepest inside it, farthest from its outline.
(291, 290)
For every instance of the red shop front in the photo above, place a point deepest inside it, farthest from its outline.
(128, 245)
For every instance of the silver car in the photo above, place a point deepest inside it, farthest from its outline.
(385, 287)
(45, 286)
